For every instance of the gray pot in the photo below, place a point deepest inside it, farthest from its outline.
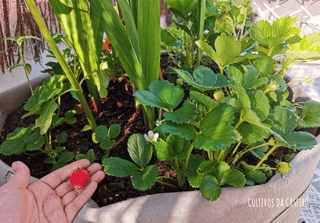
(234, 204)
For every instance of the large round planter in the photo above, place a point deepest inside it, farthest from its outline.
(280, 200)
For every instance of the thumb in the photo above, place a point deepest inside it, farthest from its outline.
(22, 175)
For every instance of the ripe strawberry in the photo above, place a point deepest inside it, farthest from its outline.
(79, 178)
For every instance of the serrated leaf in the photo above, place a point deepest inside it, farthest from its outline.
(101, 133)
(51, 87)
(279, 80)
(272, 35)
(250, 116)
(86, 128)
(284, 121)
(107, 144)
(116, 166)
(114, 131)
(182, 115)
(65, 157)
(234, 178)
(178, 146)
(45, 119)
(183, 130)
(183, 6)
(57, 166)
(50, 160)
(203, 99)
(210, 188)
(216, 129)
(195, 161)
(161, 94)
(194, 179)
(146, 179)
(301, 140)
(242, 96)
(80, 156)
(205, 167)
(62, 138)
(264, 64)
(232, 102)
(252, 133)
(140, 150)
(250, 75)
(204, 76)
(234, 74)
(307, 48)
(257, 176)
(260, 151)
(204, 79)
(310, 115)
(260, 104)
(90, 155)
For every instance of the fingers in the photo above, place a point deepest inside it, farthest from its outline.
(72, 209)
(22, 175)
(55, 178)
(65, 187)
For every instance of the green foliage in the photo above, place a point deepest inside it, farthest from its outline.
(89, 156)
(140, 151)
(21, 140)
(106, 136)
(310, 115)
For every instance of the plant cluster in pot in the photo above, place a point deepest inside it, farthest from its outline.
(210, 115)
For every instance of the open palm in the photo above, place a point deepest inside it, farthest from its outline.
(50, 199)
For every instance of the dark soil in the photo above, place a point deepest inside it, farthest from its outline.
(119, 108)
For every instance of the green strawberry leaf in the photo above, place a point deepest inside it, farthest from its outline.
(242, 95)
(107, 144)
(284, 121)
(306, 49)
(260, 104)
(116, 166)
(195, 161)
(194, 179)
(310, 115)
(65, 157)
(161, 94)
(45, 119)
(216, 129)
(252, 133)
(140, 150)
(203, 99)
(182, 115)
(210, 188)
(250, 116)
(146, 179)
(301, 140)
(234, 178)
(101, 133)
(114, 131)
(257, 176)
(62, 138)
(183, 130)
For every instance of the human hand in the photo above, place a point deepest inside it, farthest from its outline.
(50, 199)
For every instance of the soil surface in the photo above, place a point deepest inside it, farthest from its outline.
(117, 108)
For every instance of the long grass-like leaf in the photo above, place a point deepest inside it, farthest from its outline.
(149, 37)
(120, 41)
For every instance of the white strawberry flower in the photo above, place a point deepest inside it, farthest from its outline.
(151, 137)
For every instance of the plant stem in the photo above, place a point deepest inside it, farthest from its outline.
(24, 67)
(170, 185)
(201, 14)
(53, 46)
(265, 157)
(188, 48)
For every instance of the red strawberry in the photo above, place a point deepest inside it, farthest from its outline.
(79, 178)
